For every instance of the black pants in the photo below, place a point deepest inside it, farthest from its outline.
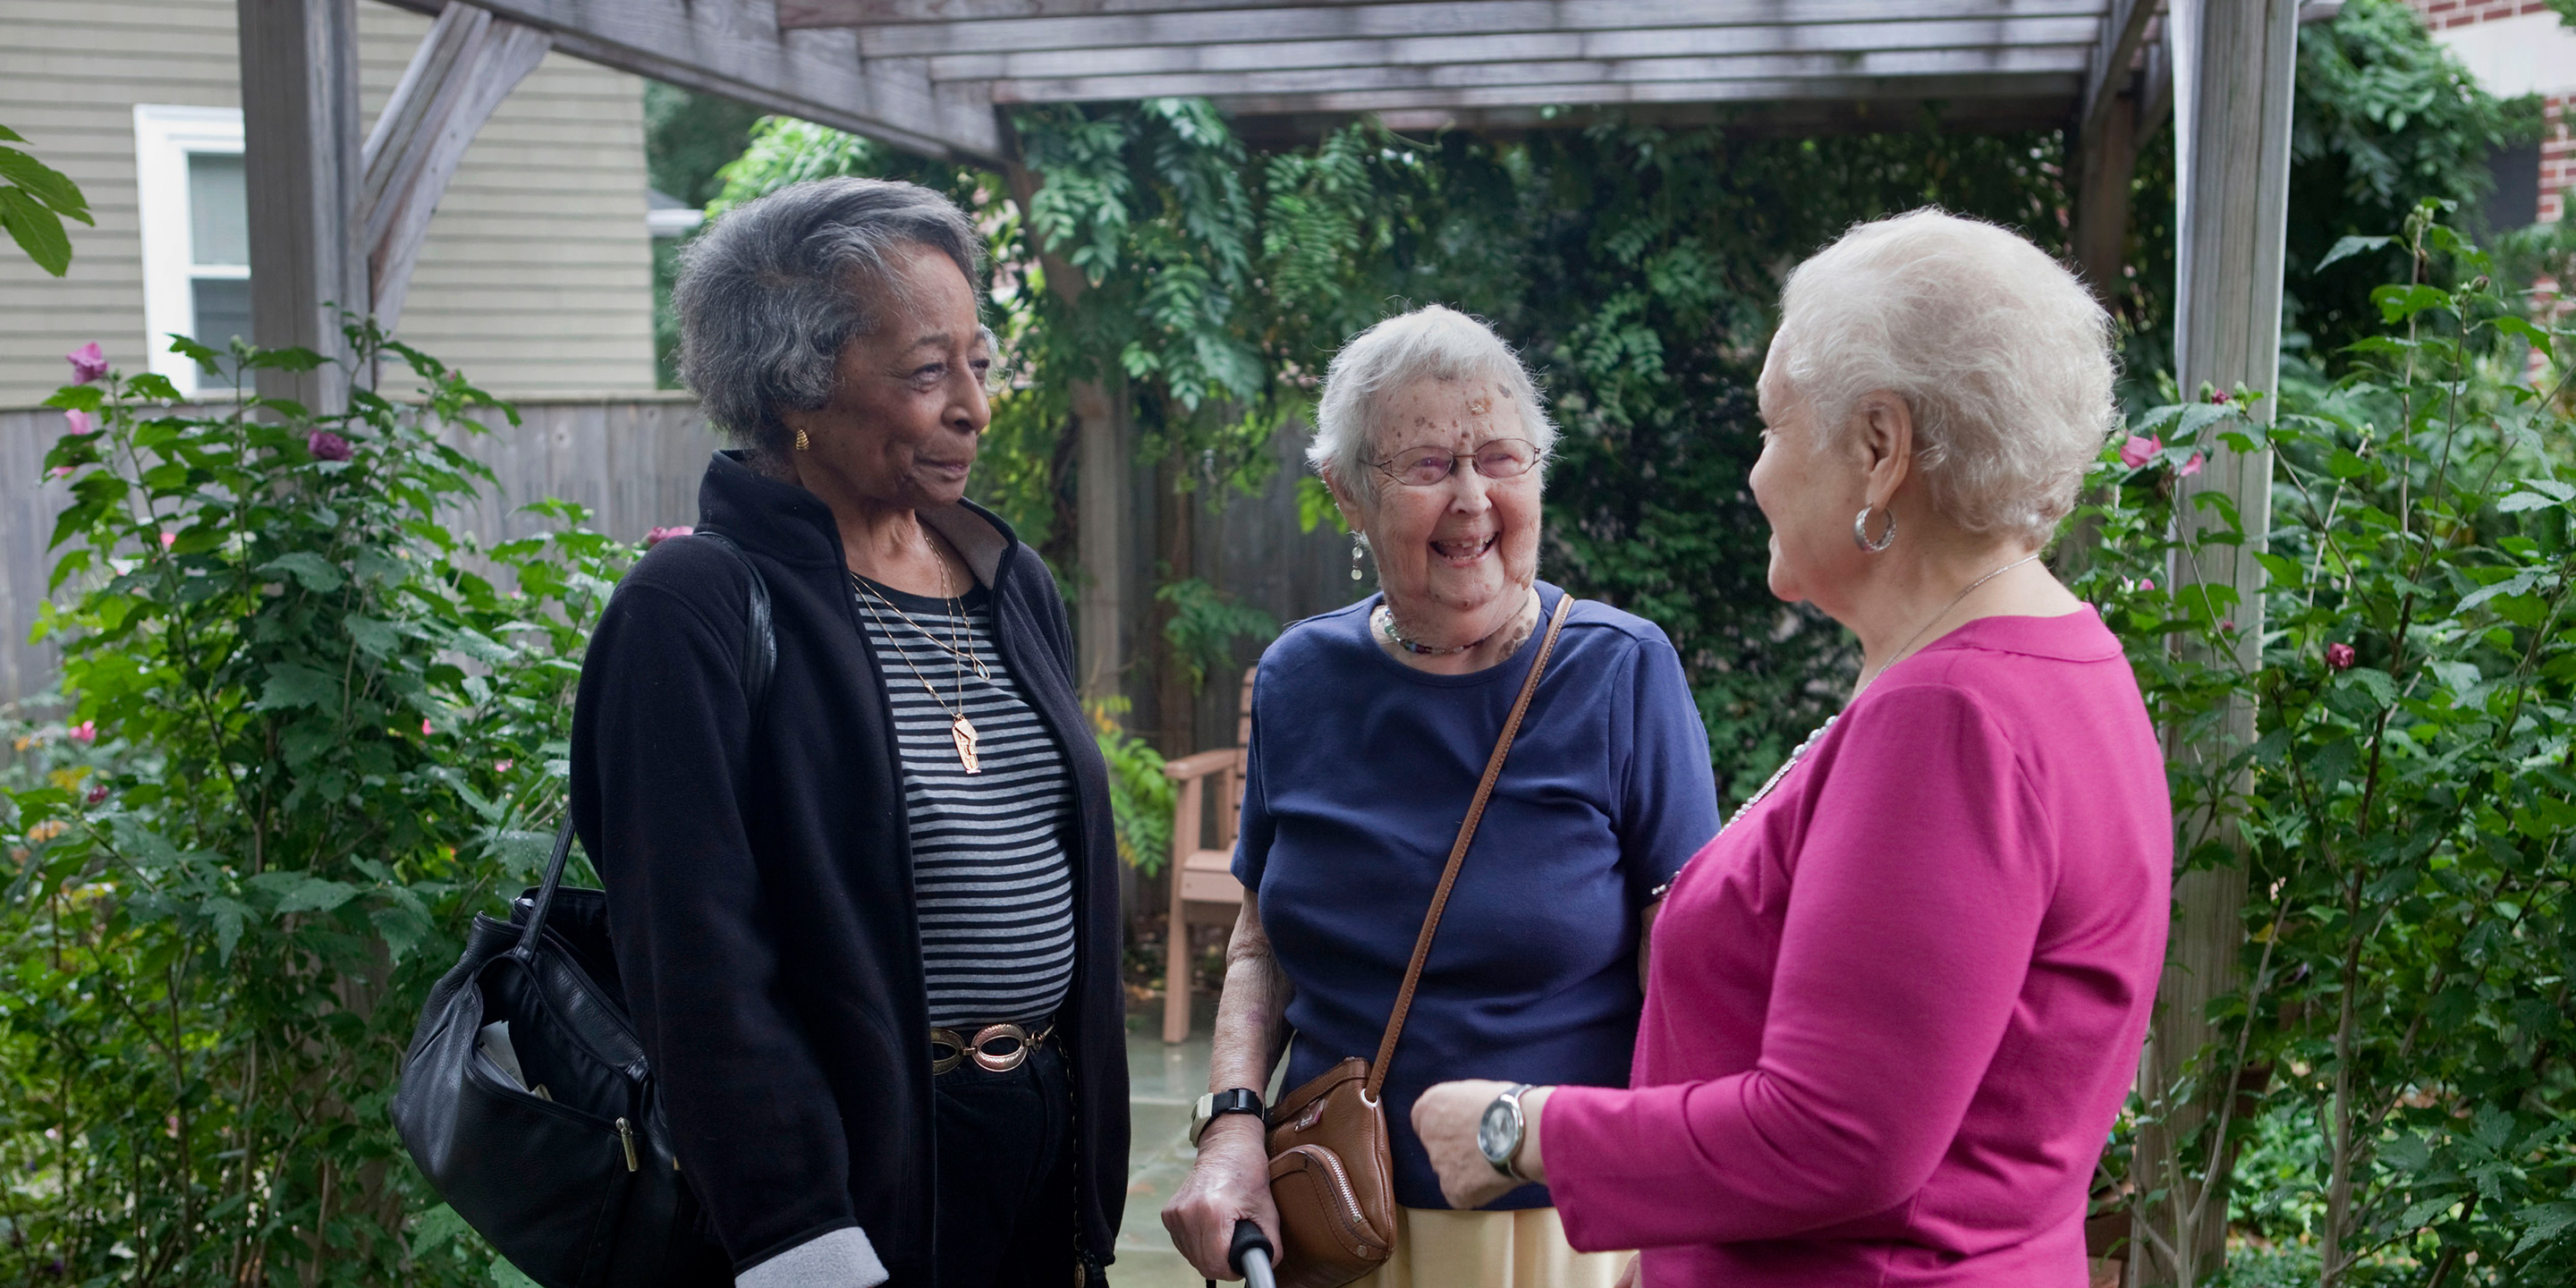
(1006, 1174)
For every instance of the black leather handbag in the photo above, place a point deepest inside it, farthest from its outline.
(526, 1098)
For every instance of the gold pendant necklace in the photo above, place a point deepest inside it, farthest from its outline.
(961, 730)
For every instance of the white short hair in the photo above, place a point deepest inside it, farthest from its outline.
(1430, 343)
(2001, 354)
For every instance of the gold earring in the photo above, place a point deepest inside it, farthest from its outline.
(802, 442)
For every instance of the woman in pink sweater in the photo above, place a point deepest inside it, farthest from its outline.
(1892, 1009)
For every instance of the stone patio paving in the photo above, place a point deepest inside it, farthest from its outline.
(1163, 1082)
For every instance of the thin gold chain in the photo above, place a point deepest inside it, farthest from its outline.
(961, 647)
(957, 712)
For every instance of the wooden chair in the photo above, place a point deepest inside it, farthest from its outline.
(1203, 886)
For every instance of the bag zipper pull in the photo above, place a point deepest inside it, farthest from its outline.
(626, 1137)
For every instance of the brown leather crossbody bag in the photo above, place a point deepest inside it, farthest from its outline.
(1330, 1172)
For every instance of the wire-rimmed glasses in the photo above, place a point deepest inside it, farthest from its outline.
(1499, 458)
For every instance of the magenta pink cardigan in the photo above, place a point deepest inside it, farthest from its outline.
(1895, 1005)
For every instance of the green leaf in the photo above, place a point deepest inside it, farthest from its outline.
(2381, 687)
(290, 686)
(318, 574)
(303, 892)
(231, 916)
(434, 1228)
(37, 230)
(2346, 248)
(45, 184)
(2543, 1222)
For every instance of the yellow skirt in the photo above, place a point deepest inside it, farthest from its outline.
(1523, 1249)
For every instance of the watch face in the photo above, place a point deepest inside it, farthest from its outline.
(1494, 1135)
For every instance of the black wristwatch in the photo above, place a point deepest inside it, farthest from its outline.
(1217, 1104)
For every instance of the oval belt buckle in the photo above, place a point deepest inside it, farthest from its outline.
(953, 1044)
(1006, 1061)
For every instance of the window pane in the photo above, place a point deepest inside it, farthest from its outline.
(218, 209)
(222, 312)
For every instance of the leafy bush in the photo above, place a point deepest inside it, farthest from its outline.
(311, 734)
(2406, 808)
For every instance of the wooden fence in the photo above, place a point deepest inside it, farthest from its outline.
(634, 461)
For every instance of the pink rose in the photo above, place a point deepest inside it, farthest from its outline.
(88, 363)
(2339, 656)
(169, 539)
(2218, 395)
(2146, 583)
(502, 766)
(326, 446)
(2190, 467)
(79, 422)
(59, 472)
(659, 535)
(97, 794)
(2138, 451)
(85, 731)
(425, 730)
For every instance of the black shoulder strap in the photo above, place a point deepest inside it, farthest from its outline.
(759, 662)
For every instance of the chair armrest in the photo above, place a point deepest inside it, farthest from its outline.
(1200, 764)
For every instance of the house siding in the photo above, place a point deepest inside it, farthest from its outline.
(536, 278)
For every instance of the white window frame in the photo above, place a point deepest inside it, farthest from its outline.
(165, 136)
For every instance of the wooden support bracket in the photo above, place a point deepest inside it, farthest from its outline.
(465, 67)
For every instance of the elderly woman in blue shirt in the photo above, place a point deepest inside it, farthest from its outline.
(1370, 729)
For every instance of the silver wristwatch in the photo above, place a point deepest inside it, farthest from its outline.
(1500, 1132)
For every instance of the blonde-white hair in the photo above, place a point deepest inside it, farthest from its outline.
(2000, 353)
(1429, 343)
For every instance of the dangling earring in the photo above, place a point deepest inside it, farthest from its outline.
(1359, 544)
(1860, 531)
(801, 441)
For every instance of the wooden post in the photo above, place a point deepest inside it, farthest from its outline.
(2104, 167)
(1102, 494)
(300, 129)
(2233, 62)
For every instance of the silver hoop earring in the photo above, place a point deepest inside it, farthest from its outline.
(1359, 546)
(1860, 531)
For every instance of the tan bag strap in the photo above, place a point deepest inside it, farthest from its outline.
(1458, 851)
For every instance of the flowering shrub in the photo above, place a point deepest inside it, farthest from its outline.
(2404, 1034)
(312, 730)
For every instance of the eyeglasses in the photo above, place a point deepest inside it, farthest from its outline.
(1502, 458)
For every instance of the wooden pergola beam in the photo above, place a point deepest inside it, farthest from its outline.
(1774, 76)
(300, 127)
(2124, 31)
(1257, 21)
(735, 48)
(1838, 39)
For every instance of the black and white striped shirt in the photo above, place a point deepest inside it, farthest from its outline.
(990, 873)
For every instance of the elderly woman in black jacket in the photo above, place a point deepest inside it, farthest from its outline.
(869, 932)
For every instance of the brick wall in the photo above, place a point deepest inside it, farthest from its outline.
(2439, 14)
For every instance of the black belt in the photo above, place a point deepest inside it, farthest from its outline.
(949, 1048)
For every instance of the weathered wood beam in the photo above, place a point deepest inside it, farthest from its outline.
(2124, 29)
(862, 13)
(299, 86)
(2059, 88)
(735, 48)
(1255, 23)
(2233, 64)
(465, 67)
(1835, 38)
(1783, 75)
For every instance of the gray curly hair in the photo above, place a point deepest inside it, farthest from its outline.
(769, 295)
(2000, 353)
(1429, 343)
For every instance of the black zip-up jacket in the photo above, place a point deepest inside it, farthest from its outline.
(760, 883)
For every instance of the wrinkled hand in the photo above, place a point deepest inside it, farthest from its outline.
(1230, 1183)
(1445, 1118)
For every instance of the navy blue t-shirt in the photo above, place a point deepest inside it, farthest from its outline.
(1361, 769)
